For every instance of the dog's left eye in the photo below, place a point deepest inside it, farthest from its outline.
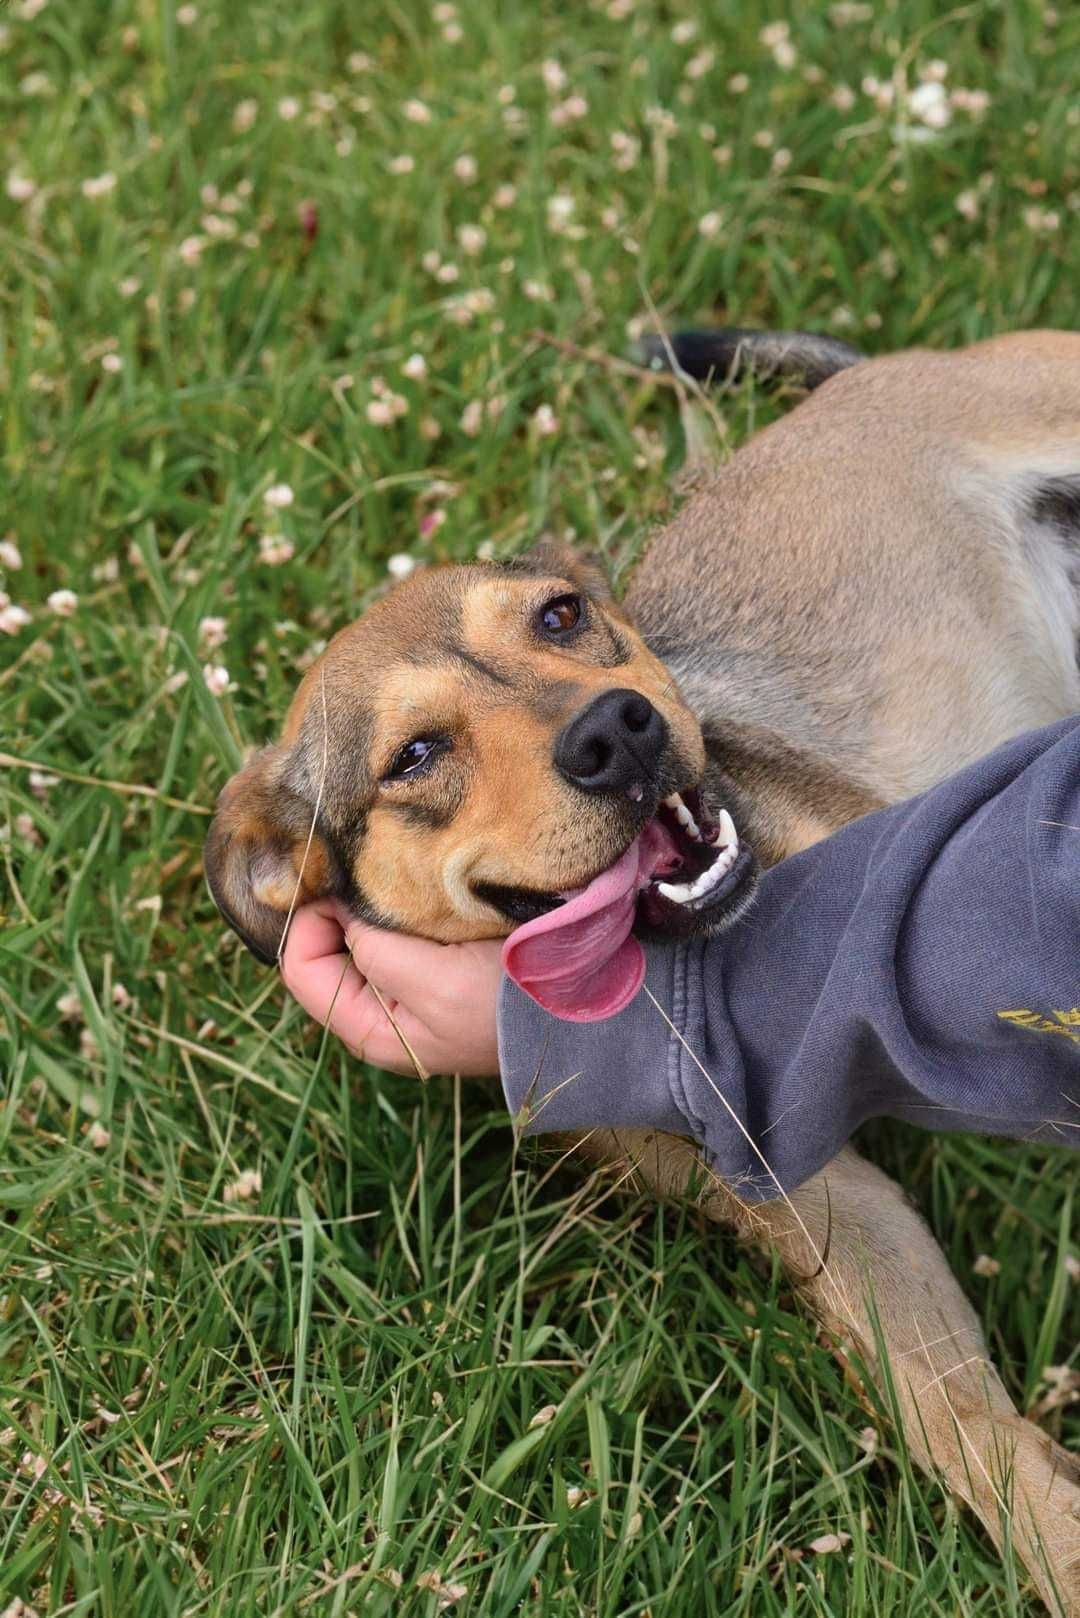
(561, 614)
(410, 758)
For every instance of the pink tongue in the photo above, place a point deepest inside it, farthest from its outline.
(579, 961)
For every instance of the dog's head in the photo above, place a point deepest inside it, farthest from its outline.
(484, 741)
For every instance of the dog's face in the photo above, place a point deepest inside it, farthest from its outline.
(483, 741)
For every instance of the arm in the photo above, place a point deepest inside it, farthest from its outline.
(923, 963)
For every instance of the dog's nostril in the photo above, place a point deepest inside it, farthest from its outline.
(637, 713)
(596, 756)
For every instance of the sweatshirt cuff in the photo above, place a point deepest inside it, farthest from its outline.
(617, 1073)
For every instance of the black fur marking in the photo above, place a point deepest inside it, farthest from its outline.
(1057, 503)
(620, 652)
(730, 353)
(477, 664)
(423, 814)
(517, 904)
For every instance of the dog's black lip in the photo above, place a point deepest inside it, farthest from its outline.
(518, 905)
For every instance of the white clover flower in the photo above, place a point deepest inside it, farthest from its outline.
(186, 15)
(98, 1137)
(626, 150)
(545, 421)
(930, 104)
(417, 112)
(288, 108)
(19, 188)
(128, 287)
(842, 97)
(710, 224)
(404, 163)
(99, 185)
(472, 418)
(560, 210)
(65, 603)
(244, 115)
(465, 168)
(275, 550)
(967, 204)
(415, 368)
(217, 679)
(191, 249)
(505, 196)
(554, 76)
(213, 633)
(401, 565)
(112, 363)
(471, 239)
(10, 555)
(278, 497)
(244, 1187)
(359, 62)
(12, 619)
(570, 111)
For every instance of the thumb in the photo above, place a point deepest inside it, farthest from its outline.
(398, 964)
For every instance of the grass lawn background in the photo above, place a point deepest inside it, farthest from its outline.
(224, 230)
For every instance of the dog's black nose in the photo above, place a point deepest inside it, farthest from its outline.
(613, 745)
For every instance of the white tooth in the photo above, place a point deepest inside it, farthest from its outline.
(683, 816)
(683, 892)
(726, 827)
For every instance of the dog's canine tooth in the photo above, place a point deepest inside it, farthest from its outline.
(726, 828)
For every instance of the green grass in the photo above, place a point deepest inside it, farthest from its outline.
(321, 1394)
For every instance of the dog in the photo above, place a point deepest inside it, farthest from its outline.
(878, 588)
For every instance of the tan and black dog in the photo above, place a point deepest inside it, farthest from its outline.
(875, 590)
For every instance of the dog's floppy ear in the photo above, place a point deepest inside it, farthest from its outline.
(548, 557)
(262, 855)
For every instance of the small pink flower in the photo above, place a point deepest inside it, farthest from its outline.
(63, 602)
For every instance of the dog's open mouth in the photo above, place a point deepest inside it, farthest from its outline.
(701, 870)
(682, 874)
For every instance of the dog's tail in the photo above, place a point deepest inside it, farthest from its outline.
(729, 353)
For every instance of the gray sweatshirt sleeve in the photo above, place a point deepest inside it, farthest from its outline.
(923, 963)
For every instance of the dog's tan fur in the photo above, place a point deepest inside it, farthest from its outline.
(872, 592)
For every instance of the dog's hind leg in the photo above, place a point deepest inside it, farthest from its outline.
(869, 1267)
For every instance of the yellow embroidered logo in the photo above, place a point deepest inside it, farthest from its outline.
(1066, 1023)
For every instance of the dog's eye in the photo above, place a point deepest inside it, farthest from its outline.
(561, 614)
(410, 758)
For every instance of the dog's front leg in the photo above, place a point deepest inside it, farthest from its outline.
(885, 1292)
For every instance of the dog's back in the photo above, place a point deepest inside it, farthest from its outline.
(882, 585)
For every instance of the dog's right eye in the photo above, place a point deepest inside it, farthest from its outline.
(411, 758)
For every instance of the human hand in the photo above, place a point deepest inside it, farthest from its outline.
(442, 997)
